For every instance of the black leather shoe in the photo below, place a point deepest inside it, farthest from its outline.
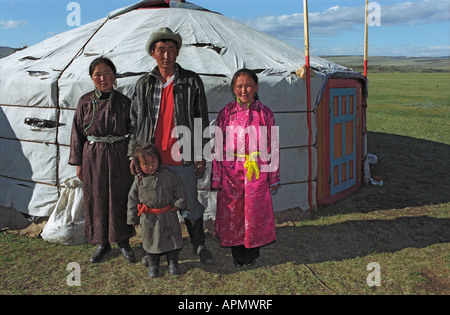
(238, 262)
(100, 253)
(206, 256)
(127, 251)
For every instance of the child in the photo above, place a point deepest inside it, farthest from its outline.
(244, 216)
(153, 201)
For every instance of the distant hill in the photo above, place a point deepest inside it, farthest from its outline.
(6, 51)
(394, 64)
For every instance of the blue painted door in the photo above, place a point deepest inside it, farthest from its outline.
(342, 110)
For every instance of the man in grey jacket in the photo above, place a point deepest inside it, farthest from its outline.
(168, 97)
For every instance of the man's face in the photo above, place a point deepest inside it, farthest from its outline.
(165, 54)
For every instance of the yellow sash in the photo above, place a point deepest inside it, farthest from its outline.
(251, 164)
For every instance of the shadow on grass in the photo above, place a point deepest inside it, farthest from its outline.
(315, 244)
(356, 238)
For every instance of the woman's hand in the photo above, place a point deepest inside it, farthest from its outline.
(80, 172)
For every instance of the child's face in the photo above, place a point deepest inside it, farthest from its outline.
(148, 164)
(245, 88)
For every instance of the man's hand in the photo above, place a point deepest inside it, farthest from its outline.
(134, 168)
(200, 168)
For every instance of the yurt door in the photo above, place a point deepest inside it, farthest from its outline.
(342, 139)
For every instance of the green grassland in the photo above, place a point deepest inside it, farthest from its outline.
(410, 104)
(403, 226)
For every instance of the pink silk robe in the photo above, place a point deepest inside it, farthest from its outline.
(244, 207)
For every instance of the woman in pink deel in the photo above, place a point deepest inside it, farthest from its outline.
(245, 171)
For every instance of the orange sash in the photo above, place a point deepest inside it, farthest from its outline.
(143, 209)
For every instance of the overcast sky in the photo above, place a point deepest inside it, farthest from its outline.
(401, 28)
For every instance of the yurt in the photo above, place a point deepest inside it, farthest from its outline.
(40, 87)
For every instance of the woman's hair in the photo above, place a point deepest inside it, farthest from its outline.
(103, 60)
(146, 149)
(248, 73)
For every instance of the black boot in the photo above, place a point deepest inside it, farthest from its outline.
(100, 253)
(197, 236)
(172, 259)
(126, 250)
(153, 265)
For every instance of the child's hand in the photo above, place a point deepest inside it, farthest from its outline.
(274, 188)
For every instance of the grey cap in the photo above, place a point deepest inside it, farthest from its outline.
(163, 33)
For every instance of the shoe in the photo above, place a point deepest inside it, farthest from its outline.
(238, 262)
(206, 256)
(250, 262)
(127, 251)
(100, 253)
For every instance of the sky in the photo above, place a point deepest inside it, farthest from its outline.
(398, 27)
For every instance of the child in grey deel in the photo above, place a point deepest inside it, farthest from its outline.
(154, 199)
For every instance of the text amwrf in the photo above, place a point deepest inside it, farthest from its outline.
(226, 305)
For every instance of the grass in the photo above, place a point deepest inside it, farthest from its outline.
(410, 104)
(404, 226)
